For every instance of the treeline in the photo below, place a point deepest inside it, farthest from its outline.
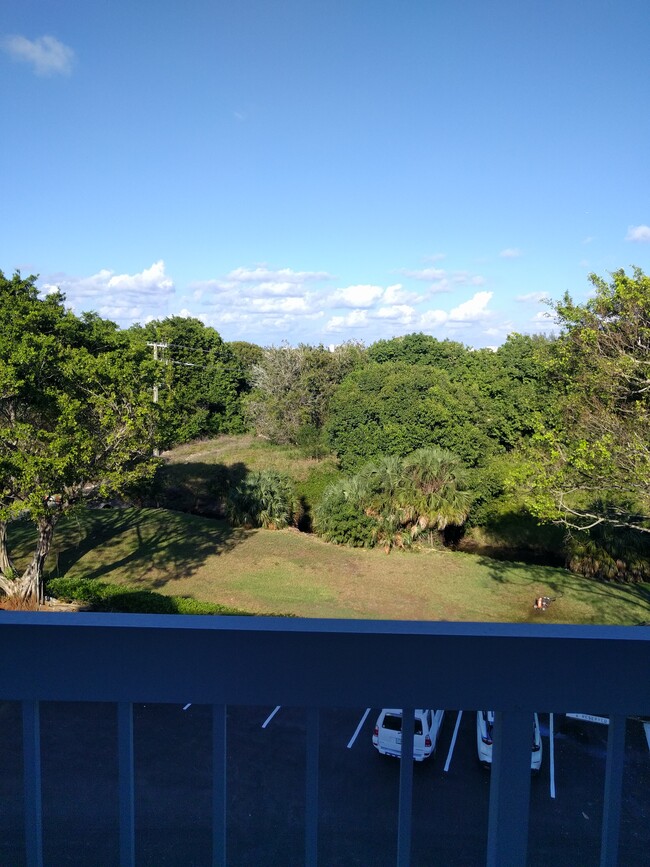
(428, 434)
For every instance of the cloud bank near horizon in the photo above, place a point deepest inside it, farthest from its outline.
(268, 305)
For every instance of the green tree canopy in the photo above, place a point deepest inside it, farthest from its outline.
(419, 348)
(593, 465)
(76, 416)
(394, 408)
(199, 381)
(293, 386)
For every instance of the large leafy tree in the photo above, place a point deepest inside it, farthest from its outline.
(593, 466)
(76, 418)
(417, 391)
(419, 348)
(394, 408)
(514, 379)
(199, 380)
(293, 387)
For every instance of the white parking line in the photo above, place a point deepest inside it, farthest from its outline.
(363, 719)
(551, 756)
(189, 704)
(453, 741)
(270, 716)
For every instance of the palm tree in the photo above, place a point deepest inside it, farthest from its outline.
(396, 499)
(278, 502)
(440, 487)
(264, 498)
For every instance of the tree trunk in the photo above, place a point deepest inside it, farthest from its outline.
(6, 564)
(32, 578)
(29, 586)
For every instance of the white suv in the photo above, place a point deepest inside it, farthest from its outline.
(387, 736)
(484, 729)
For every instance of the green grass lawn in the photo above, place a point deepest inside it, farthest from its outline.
(265, 571)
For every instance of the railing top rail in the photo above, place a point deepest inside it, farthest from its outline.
(301, 662)
(181, 622)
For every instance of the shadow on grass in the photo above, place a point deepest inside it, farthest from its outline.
(149, 546)
(602, 595)
(195, 487)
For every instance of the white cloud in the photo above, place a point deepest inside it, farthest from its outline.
(265, 305)
(638, 233)
(401, 313)
(432, 319)
(47, 55)
(463, 278)
(534, 297)
(245, 283)
(542, 317)
(366, 296)
(502, 330)
(279, 305)
(430, 275)
(511, 253)
(184, 313)
(473, 310)
(255, 300)
(124, 297)
(363, 295)
(404, 316)
(398, 295)
(441, 280)
(150, 281)
(354, 319)
(269, 276)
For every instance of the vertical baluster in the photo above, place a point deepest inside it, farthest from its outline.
(126, 771)
(510, 789)
(311, 781)
(218, 785)
(613, 791)
(32, 781)
(405, 789)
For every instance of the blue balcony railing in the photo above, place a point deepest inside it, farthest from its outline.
(317, 664)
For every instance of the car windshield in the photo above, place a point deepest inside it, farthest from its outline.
(394, 724)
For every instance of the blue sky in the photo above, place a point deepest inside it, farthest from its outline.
(324, 170)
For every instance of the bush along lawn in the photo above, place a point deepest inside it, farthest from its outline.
(100, 596)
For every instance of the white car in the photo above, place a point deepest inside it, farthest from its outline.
(484, 730)
(387, 736)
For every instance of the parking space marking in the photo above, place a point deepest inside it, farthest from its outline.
(189, 704)
(453, 741)
(270, 716)
(359, 727)
(551, 753)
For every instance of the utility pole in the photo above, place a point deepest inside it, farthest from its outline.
(156, 347)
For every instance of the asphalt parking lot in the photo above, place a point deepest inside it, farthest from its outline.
(358, 792)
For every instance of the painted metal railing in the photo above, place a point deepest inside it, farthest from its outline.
(314, 664)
